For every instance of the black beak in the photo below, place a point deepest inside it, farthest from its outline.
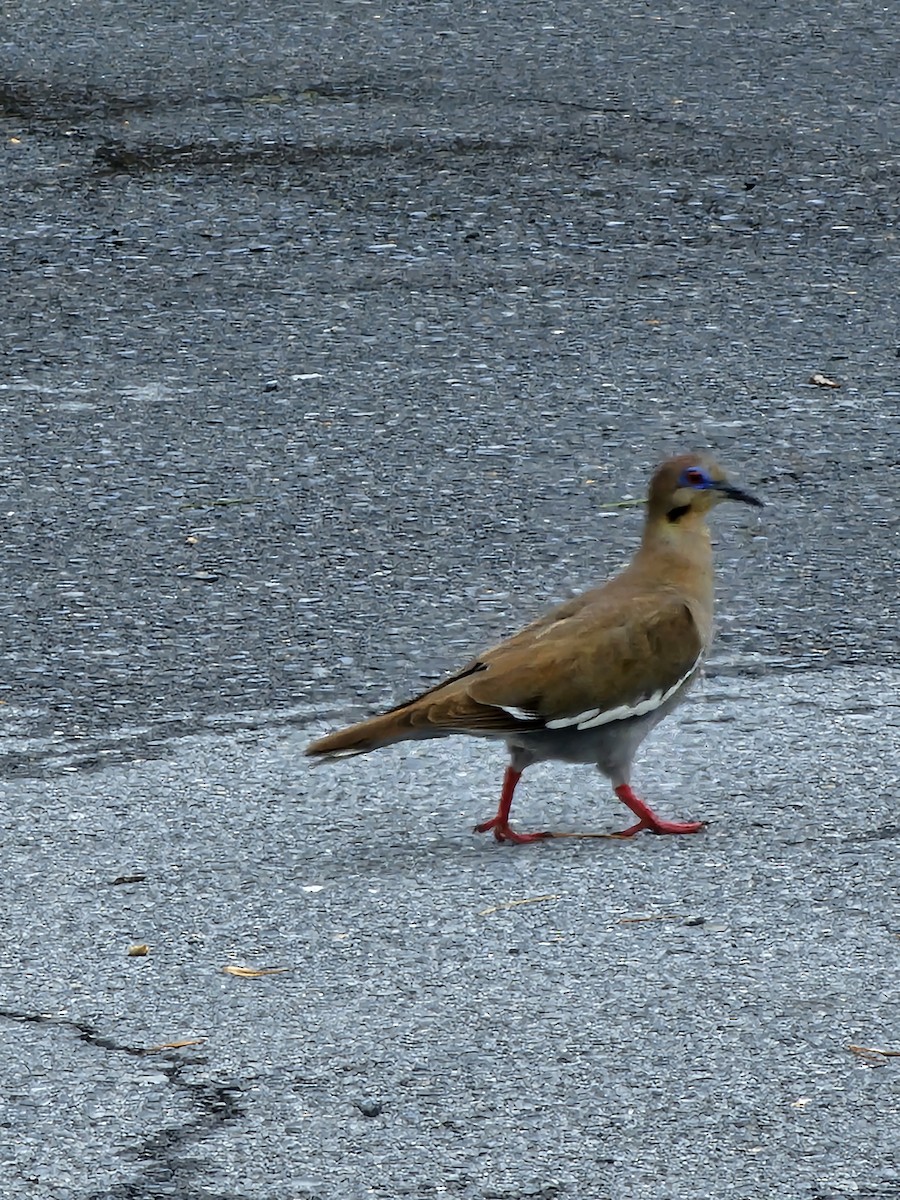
(736, 493)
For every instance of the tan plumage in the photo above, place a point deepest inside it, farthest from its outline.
(618, 657)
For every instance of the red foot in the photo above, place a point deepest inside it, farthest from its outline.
(503, 833)
(499, 825)
(660, 826)
(647, 818)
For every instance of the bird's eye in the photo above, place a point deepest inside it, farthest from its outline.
(694, 477)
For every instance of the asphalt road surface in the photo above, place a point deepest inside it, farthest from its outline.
(333, 336)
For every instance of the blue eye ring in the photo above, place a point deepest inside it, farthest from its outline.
(694, 477)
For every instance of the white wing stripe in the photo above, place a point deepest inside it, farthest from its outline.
(629, 710)
(590, 720)
(564, 722)
(593, 717)
(520, 714)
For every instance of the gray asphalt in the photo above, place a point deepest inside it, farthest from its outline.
(327, 337)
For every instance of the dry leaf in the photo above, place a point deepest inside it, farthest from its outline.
(138, 951)
(821, 380)
(486, 912)
(251, 973)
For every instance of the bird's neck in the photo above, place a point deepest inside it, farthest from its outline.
(679, 547)
(687, 532)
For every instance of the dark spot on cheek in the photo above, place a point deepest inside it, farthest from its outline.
(675, 514)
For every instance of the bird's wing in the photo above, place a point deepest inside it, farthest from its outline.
(585, 664)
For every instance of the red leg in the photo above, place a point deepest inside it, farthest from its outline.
(500, 823)
(647, 818)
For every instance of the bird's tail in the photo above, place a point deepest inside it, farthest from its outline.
(372, 734)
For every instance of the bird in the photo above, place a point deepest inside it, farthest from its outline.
(588, 681)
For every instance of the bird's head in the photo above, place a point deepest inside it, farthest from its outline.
(692, 483)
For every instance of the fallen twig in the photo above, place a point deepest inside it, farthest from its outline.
(486, 912)
(623, 504)
(655, 917)
(874, 1054)
(254, 973)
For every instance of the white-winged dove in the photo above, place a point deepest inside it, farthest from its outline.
(587, 682)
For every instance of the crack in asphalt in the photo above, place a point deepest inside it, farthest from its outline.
(213, 1104)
